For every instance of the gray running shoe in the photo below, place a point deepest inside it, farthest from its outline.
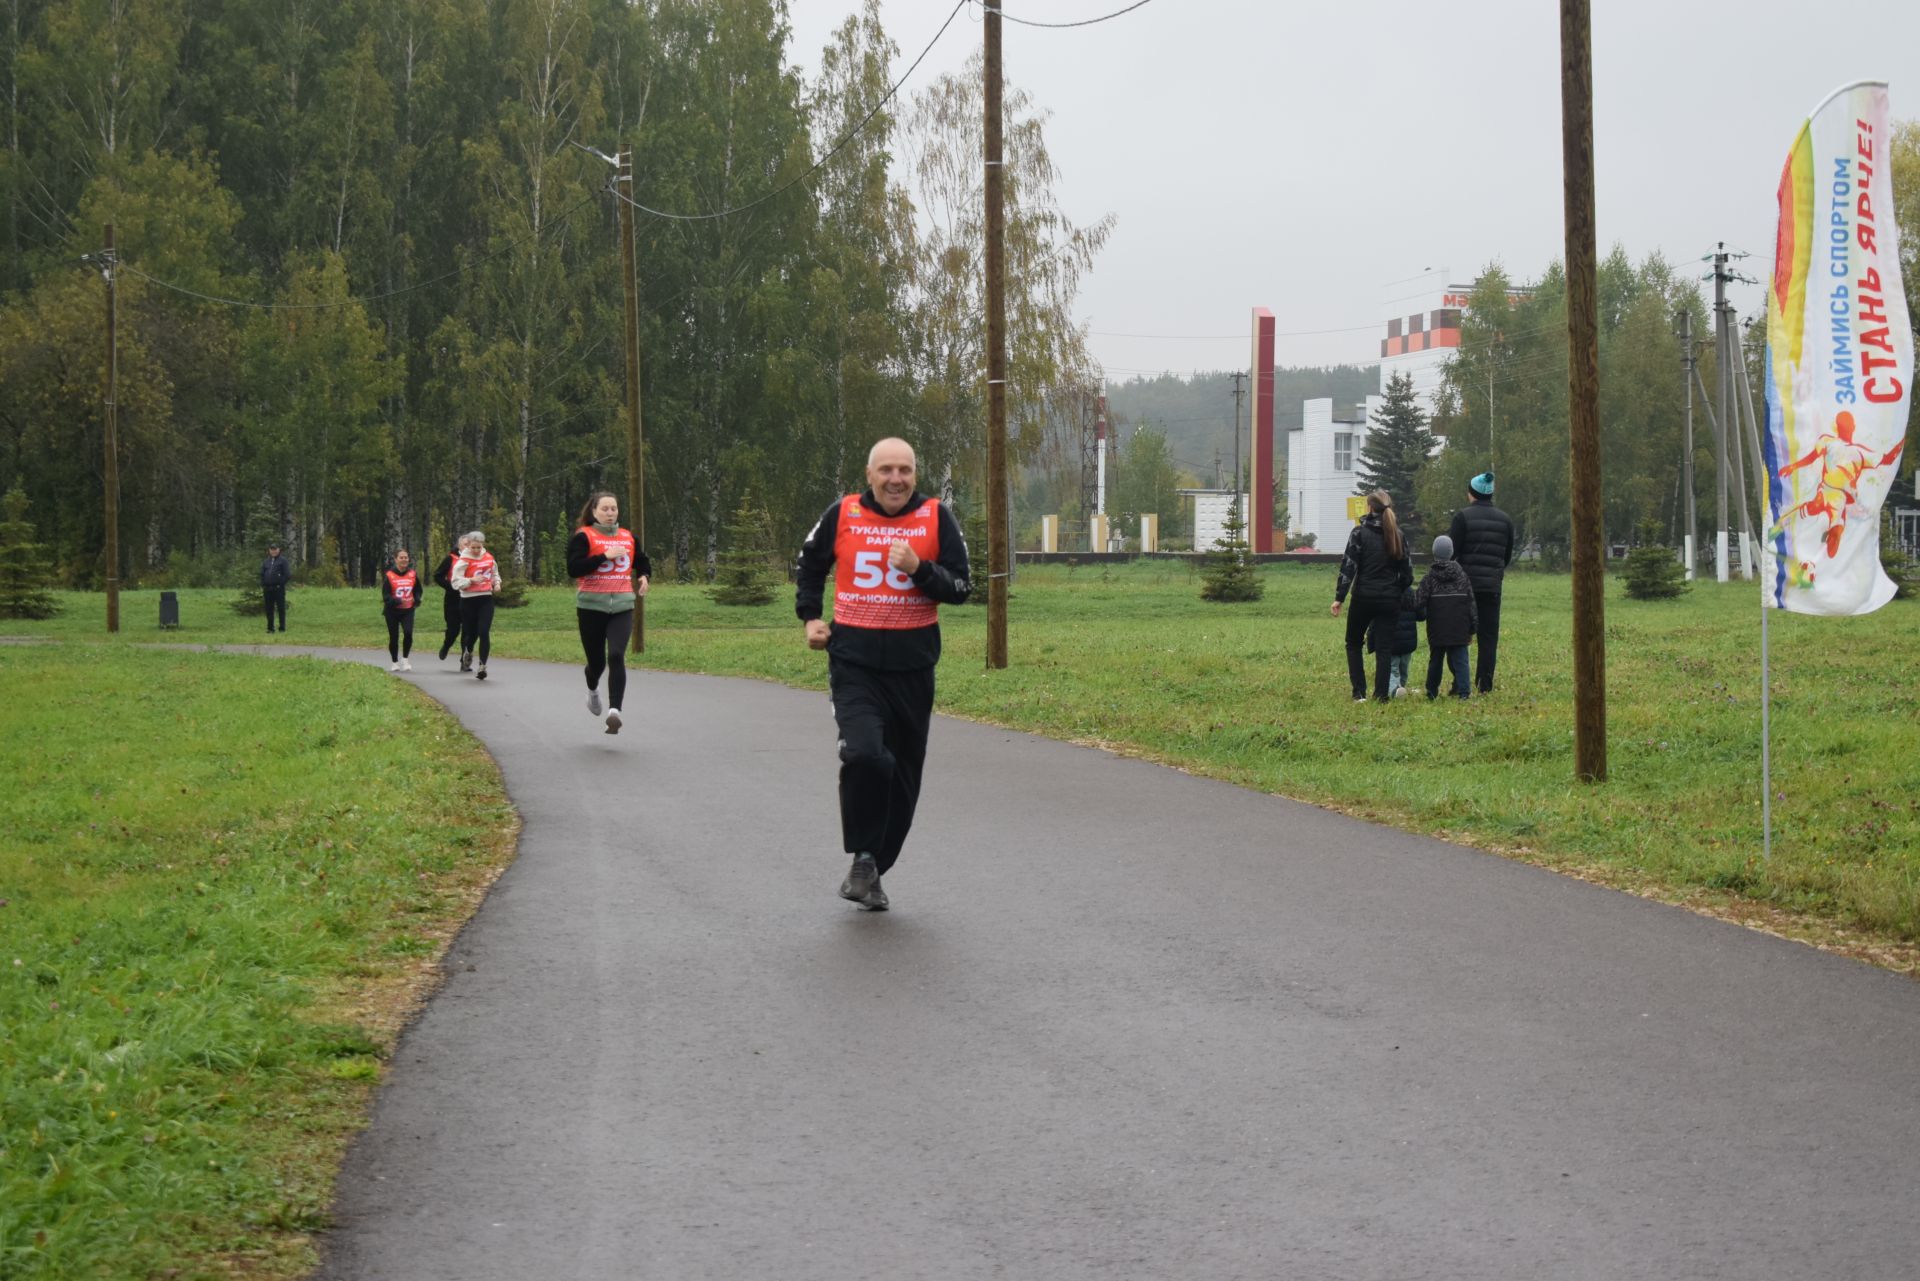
(466, 662)
(613, 720)
(862, 879)
(876, 899)
(593, 702)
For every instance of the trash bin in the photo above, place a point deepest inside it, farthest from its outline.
(169, 609)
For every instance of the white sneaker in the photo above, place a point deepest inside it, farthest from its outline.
(593, 702)
(406, 664)
(394, 668)
(613, 720)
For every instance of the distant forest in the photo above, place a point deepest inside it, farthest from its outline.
(1195, 413)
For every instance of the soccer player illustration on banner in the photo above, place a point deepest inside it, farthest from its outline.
(896, 555)
(610, 572)
(1842, 464)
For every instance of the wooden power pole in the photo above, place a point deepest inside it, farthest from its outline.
(112, 435)
(1583, 394)
(999, 555)
(636, 479)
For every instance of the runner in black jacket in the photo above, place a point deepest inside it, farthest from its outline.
(1376, 569)
(449, 599)
(895, 555)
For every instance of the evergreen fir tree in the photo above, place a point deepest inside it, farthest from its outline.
(1397, 447)
(745, 576)
(1654, 572)
(24, 576)
(263, 528)
(974, 529)
(1229, 574)
(510, 592)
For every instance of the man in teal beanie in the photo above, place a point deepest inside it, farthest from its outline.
(1483, 544)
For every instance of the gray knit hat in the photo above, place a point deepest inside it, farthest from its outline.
(1443, 548)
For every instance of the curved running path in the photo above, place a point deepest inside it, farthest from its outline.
(1122, 1023)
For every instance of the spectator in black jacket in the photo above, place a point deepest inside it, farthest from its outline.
(1376, 569)
(895, 556)
(1445, 600)
(1483, 540)
(275, 574)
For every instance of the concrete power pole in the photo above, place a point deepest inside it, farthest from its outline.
(636, 478)
(111, 433)
(998, 554)
(1583, 393)
(1687, 377)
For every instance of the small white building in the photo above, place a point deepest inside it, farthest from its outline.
(1210, 509)
(1321, 454)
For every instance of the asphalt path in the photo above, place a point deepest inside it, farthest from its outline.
(1121, 1023)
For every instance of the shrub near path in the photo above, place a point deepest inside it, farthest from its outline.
(223, 883)
(1255, 693)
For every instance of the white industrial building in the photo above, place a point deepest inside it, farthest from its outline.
(1321, 454)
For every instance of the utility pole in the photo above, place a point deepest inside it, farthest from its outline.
(998, 557)
(1720, 420)
(112, 435)
(1583, 393)
(636, 478)
(1239, 392)
(1687, 379)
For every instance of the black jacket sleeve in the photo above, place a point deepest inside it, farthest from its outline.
(579, 562)
(815, 562)
(443, 576)
(386, 587)
(948, 579)
(1349, 566)
(1405, 578)
(1458, 532)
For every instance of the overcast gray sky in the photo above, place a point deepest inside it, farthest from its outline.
(1302, 156)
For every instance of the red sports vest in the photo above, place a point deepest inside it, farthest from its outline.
(400, 587)
(867, 591)
(617, 574)
(482, 569)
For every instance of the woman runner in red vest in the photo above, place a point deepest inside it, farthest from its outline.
(399, 597)
(475, 576)
(610, 572)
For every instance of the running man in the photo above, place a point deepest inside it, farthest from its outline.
(896, 556)
(610, 573)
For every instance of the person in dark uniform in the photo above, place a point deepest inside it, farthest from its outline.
(449, 595)
(1483, 544)
(896, 555)
(275, 574)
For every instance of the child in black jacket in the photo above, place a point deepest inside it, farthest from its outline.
(1445, 600)
(1405, 640)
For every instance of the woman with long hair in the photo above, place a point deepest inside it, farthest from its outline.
(475, 576)
(610, 572)
(399, 598)
(1378, 572)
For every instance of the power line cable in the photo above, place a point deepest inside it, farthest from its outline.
(1028, 22)
(367, 298)
(819, 164)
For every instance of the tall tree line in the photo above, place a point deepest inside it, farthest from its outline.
(369, 290)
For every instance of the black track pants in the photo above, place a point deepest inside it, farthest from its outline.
(883, 719)
(450, 612)
(476, 625)
(1361, 615)
(399, 633)
(1487, 639)
(604, 637)
(275, 599)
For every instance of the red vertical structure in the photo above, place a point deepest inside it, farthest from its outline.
(1260, 524)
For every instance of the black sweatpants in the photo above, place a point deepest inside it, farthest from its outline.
(1486, 639)
(883, 719)
(399, 625)
(275, 599)
(450, 612)
(476, 625)
(1361, 615)
(604, 636)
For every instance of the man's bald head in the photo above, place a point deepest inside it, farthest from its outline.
(890, 473)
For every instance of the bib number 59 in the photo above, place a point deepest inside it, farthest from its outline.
(870, 569)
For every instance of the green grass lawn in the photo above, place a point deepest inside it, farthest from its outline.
(223, 880)
(1256, 694)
